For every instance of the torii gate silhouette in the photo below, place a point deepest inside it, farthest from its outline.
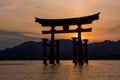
(79, 21)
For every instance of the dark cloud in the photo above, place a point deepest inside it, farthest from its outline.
(10, 38)
(21, 35)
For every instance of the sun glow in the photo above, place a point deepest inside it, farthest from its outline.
(76, 35)
(84, 37)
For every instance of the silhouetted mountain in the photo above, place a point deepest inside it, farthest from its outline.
(105, 50)
(26, 50)
(33, 50)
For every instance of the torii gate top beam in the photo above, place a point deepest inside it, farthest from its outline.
(67, 21)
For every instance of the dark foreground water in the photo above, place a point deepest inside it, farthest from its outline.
(35, 70)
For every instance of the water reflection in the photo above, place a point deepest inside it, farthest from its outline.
(51, 71)
(35, 70)
(64, 72)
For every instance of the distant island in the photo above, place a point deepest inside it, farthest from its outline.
(30, 50)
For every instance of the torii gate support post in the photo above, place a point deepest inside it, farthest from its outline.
(57, 51)
(74, 50)
(80, 47)
(52, 55)
(86, 50)
(45, 51)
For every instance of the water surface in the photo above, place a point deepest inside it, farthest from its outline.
(66, 70)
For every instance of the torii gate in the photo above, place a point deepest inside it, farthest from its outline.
(79, 21)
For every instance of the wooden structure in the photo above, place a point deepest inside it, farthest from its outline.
(45, 51)
(85, 50)
(75, 53)
(45, 54)
(75, 50)
(79, 21)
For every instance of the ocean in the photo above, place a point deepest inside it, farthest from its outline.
(66, 70)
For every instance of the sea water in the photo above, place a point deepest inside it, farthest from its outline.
(66, 70)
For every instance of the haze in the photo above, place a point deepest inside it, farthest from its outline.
(17, 19)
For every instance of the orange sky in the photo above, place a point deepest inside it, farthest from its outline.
(17, 19)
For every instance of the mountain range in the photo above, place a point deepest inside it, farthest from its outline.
(31, 50)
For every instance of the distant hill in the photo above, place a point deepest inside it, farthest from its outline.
(33, 50)
(104, 50)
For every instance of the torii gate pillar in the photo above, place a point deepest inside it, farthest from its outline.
(52, 55)
(80, 47)
(86, 50)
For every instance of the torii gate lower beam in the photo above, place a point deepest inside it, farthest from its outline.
(69, 31)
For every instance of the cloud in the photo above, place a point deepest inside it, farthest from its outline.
(7, 3)
(114, 29)
(33, 3)
(20, 35)
(10, 38)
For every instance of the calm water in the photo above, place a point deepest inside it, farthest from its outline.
(35, 70)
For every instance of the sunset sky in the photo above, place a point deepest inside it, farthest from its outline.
(17, 19)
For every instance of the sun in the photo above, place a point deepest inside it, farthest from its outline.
(75, 35)
(83, 36)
